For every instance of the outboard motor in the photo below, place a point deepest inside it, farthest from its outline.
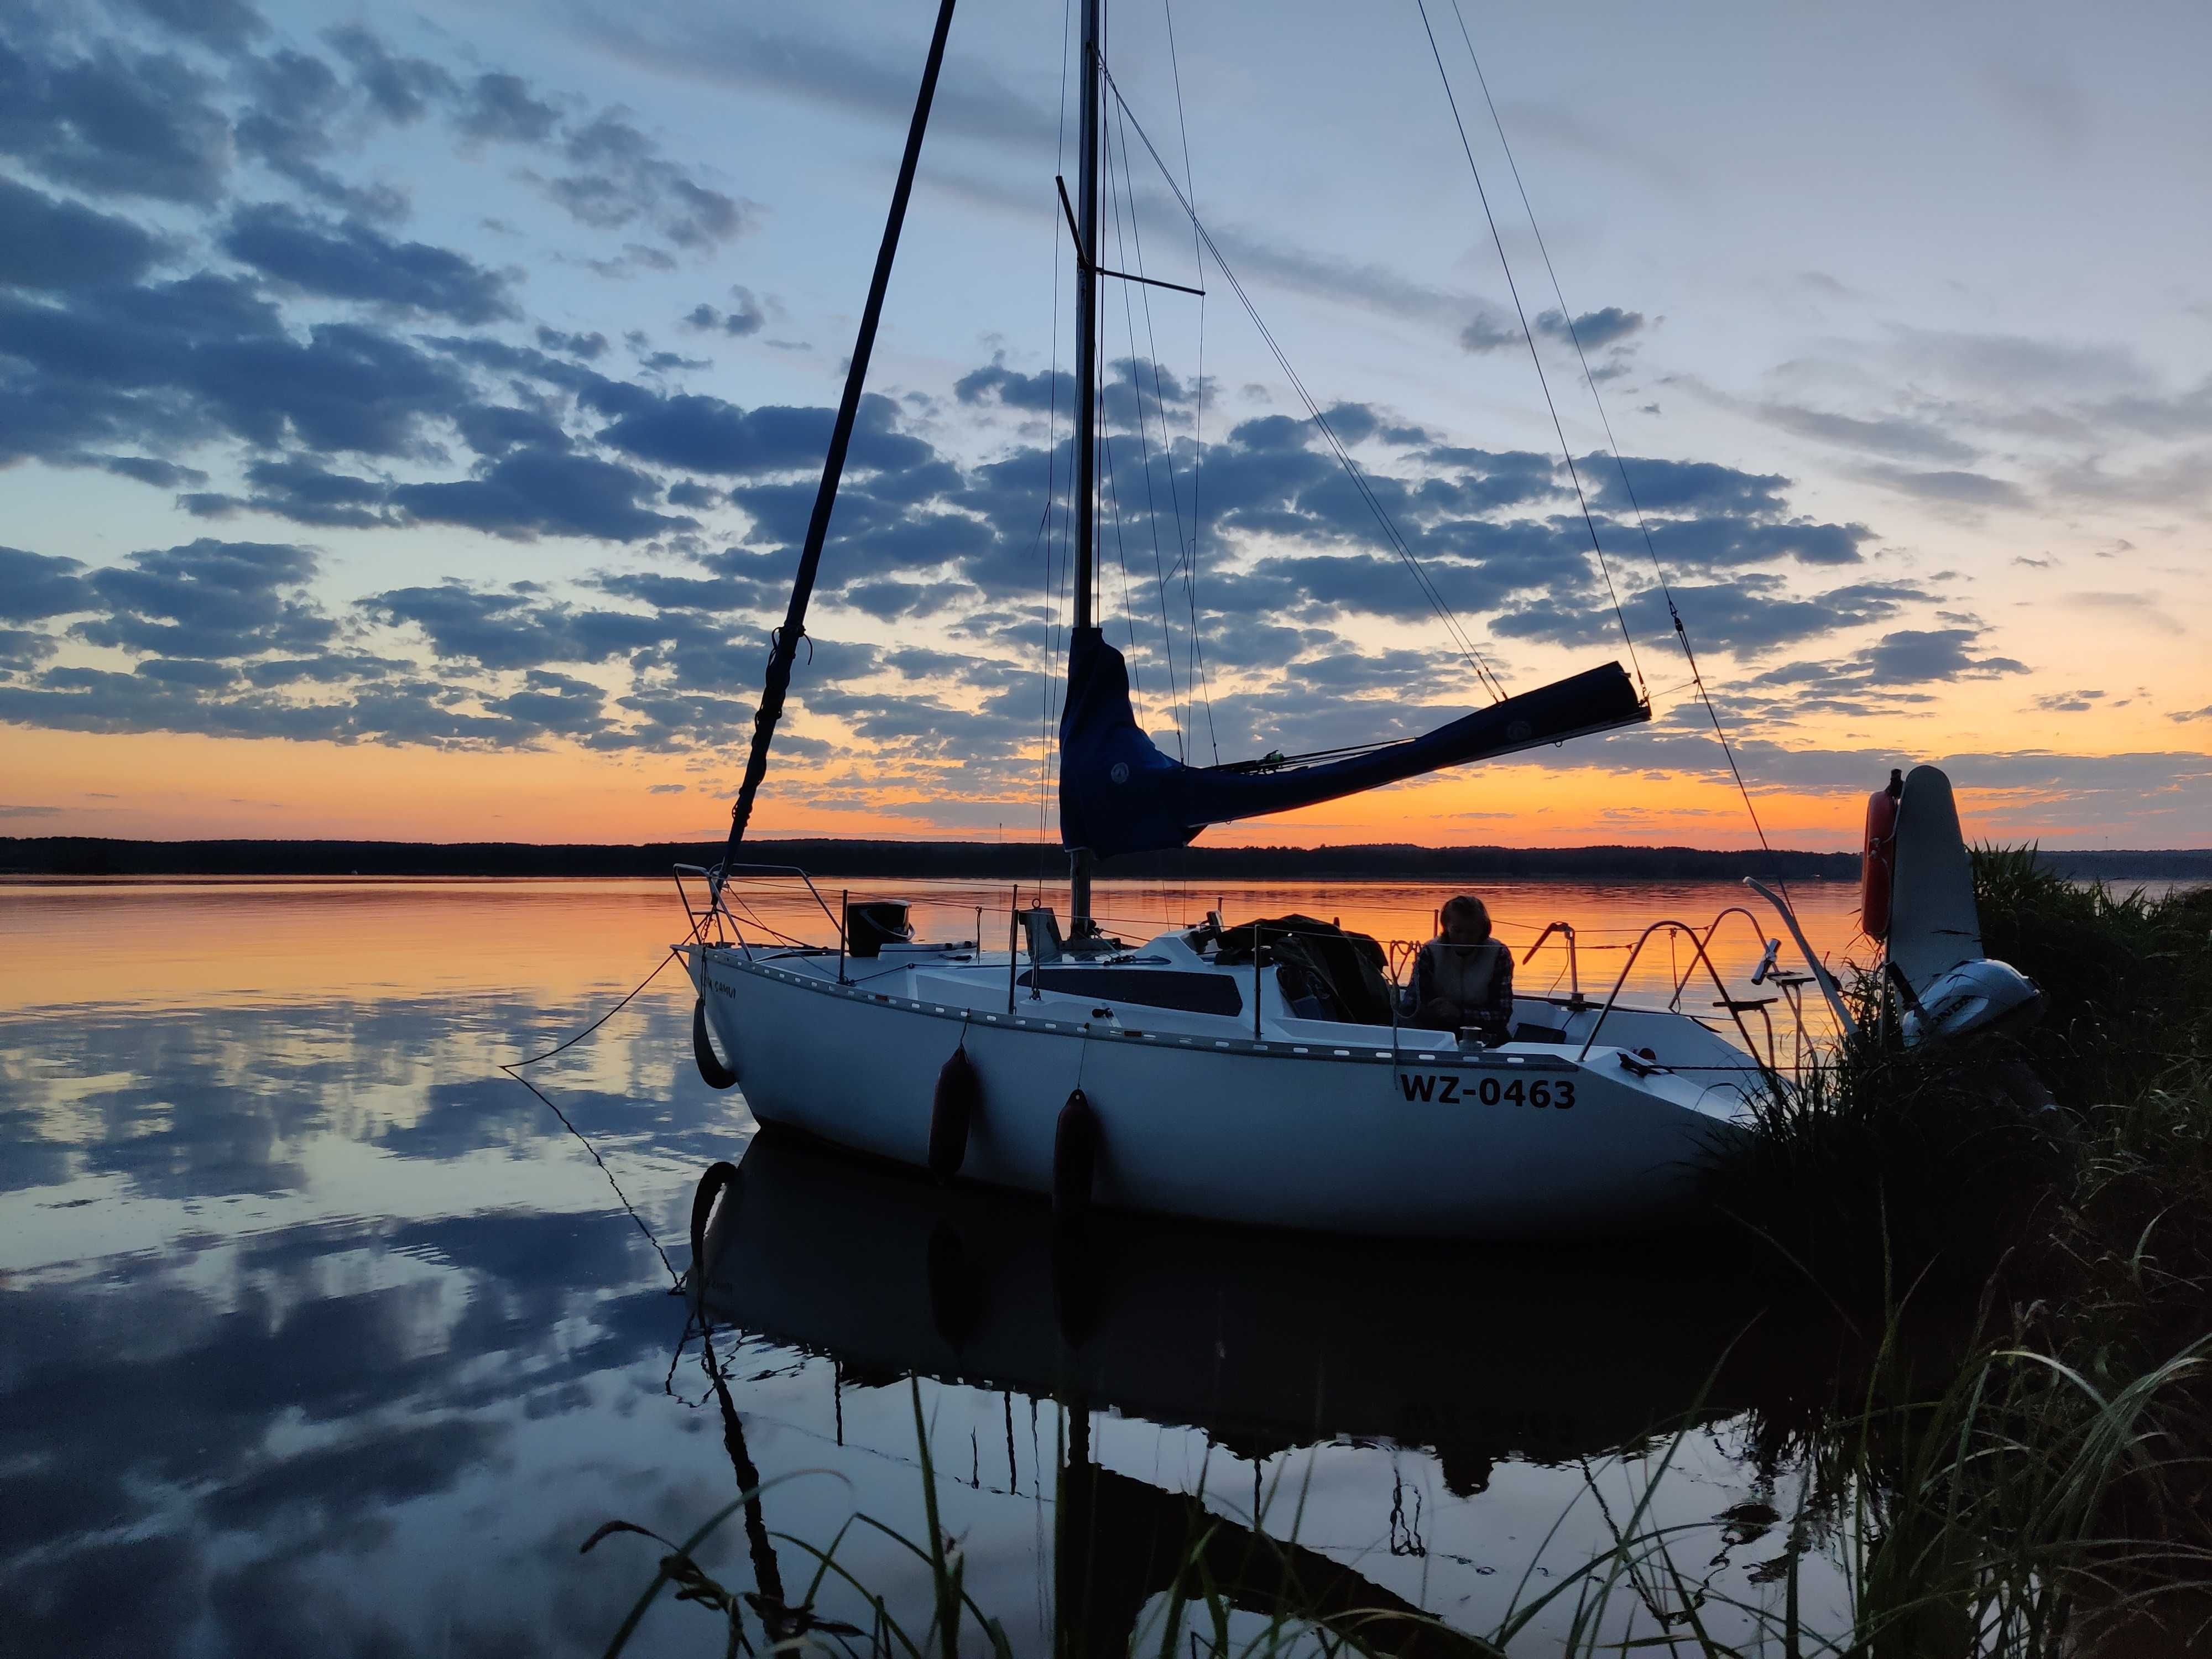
(1945, 987)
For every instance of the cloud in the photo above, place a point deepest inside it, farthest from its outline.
(1898, 436)
(1666, 486)
(402, 89)
(1917, 656)
(617, 176)
(170, 362)
(745, 318)
(500, 107)
(49, 244)
(352, 262)
(34, 586)
(225, 25)
(2067, 702)
(115, 121)
(706, 434)
(2151, 610)
(296, 108)
(586, 346)
(1593, 330)
(1950, 488)
(1486, 333)
(207, 599)
(1035, 394)
(531, 492)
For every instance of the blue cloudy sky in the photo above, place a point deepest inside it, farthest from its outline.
(406, 419)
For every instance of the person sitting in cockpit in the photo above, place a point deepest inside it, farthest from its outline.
(1463, 977)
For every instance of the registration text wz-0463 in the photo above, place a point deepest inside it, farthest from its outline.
(1491, 1091)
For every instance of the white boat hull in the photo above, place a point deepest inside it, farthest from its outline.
(1524, 1141)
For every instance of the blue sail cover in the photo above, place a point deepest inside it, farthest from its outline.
(1119, 794)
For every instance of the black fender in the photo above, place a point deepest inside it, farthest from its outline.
(1074, 1158)
(717, 1075)
(952, 1110)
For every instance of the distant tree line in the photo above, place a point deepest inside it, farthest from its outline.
(86, 855)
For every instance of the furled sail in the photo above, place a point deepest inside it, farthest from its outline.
(1119, 794)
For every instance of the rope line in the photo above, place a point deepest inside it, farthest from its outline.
(1566, 451)
(1597, 399)
(1198, 411)
(514, 1069)
(1455, 630)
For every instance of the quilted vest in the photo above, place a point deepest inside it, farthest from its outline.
(1463, 976)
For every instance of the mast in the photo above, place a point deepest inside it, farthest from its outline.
(787, 638)
(1086, 404)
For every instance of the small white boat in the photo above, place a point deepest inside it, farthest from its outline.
(1186, 1074)
(1204, 1088)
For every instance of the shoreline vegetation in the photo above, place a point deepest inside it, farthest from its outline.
(2010, 1452)
(86, 856)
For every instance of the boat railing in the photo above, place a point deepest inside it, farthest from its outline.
(1575, 998)
(715, 922)
(1734, 1007)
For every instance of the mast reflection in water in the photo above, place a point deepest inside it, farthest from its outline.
(1257, 1345)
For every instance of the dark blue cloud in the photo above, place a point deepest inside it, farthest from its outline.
(1593, 328)
(224, 25)
(295, 107)
(302, 492)
(33, 586)
(1662, 486)
(494, 428)
(532, 492)
(619, 177)
(166, 362)
(1754, 613)
(207, 599)
(1037, 394)
(49, 244)
(402, 89)
(586, 346)
(500, 107)
(165, 475)
(706, 434)
(352, 262)
(115, 121)
(517, 628)
(745, 317)
(1917, 655)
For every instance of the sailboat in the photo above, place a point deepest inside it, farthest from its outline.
(1253, 1074)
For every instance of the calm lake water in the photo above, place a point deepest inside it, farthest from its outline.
(320, 1334)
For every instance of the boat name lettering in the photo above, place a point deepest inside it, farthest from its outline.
(1444, 1090)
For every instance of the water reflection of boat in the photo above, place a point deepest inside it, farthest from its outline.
(1262, 1341)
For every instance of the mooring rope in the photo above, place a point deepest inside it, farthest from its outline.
(514, 1069)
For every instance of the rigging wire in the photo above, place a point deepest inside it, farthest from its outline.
(1454, 628)
(1528, 334)
(1054, 570)
(1198, 409)
(1144, 439)
(1567, 316)
(1167, 447)
(1106, 434)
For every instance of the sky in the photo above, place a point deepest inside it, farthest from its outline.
(409, 421)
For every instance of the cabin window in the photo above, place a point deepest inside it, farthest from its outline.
(1148, 987)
